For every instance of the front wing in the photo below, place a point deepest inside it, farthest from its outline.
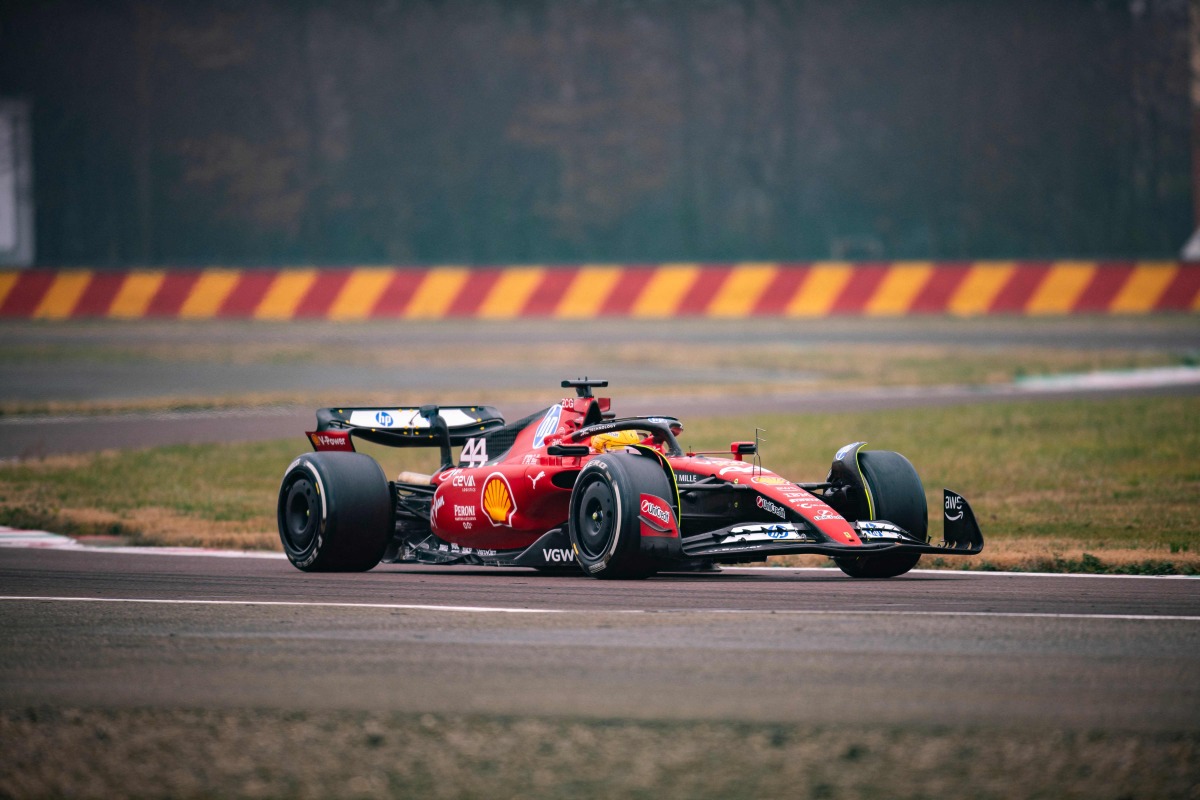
(751, 541)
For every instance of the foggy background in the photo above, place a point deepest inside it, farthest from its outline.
(380, 131)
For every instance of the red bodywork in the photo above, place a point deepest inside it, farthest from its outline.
(509, 504)
(615, 497)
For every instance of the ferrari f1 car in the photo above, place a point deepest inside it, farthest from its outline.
(573, 487)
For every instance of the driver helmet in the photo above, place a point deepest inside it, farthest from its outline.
(617, 440)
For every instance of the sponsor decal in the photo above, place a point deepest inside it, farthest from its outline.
(498, 502)
(686, 477)
(767, 533)
(824, 515)
(558, 555)
(474, 452)
(770, 480)
(540, 475)
(531, 458)
(798, 498)
(548, 426)
(656, 518)
(879, 534)
(804, 505)
(463, 513)
(954, 509)
(334, 440)
(409, 418)
(877, 527)
(592, 430)
(769, 527)
(438, 502)
(458, 479)
(770, 507)
(739, 467)
(840, 454)
(658, 420)
(485, 552)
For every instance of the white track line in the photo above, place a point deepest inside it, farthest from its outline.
(974, 573)
(503, 610)
(43, 540)
(391, 606)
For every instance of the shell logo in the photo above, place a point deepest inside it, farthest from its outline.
(497, 500)
(771, 480)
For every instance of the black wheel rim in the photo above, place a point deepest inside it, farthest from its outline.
(597, 518)
(302, 513)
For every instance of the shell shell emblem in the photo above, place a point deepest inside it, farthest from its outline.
(497, 500)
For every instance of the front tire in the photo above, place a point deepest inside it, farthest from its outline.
(335, 512)
(604, 527)
(899, 497)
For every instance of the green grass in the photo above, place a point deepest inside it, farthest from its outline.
(1082, 485)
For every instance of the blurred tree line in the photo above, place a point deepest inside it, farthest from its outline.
(485, 131)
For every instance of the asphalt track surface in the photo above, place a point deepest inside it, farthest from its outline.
(131, 630)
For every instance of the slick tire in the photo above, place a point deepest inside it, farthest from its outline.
(604, 527)
(898, 497)
(335, 512)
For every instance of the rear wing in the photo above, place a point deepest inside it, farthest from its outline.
(420, 426)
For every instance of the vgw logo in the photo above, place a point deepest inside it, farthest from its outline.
(557, 555)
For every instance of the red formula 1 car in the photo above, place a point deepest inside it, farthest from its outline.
(574, 487)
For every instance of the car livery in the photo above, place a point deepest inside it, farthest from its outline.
(551, 491)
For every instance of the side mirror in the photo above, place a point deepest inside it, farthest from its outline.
(740, 449)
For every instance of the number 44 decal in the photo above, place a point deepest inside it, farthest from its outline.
(474, 453)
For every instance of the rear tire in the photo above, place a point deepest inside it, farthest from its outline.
(899, 498)
(335, 512)
(604, 527)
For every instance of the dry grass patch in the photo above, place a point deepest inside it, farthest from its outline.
(268, 753)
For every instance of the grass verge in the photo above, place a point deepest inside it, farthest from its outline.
(1082, 485)
(230, 753)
